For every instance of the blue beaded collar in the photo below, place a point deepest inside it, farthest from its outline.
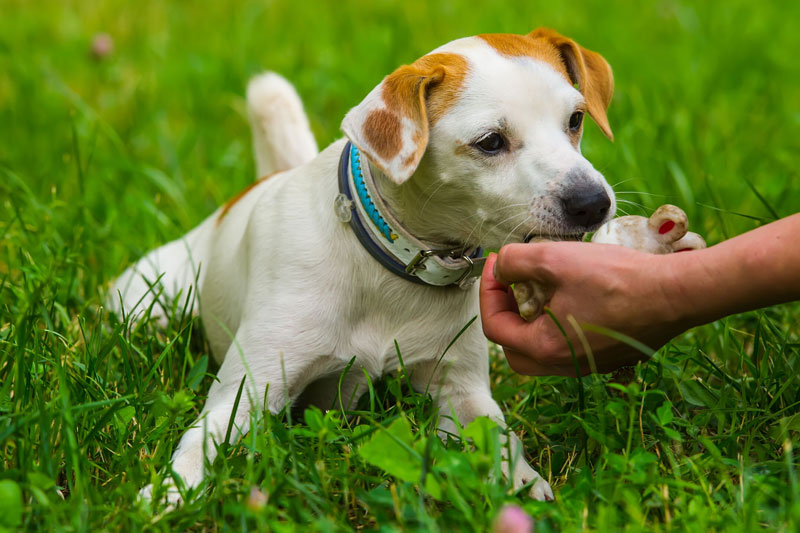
(387, 241)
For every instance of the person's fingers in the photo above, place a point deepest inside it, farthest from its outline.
(503, 325)
(523, 262)
(499, 315)
(488, 280)
(495, 297)
(538, 347)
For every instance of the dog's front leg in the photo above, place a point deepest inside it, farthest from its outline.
(200, 441)
(273, 377)
(462, 392)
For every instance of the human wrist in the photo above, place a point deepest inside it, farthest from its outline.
(684, 279)
(752, 270)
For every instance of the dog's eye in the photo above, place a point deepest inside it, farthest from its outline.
(491, 143)
(575, 120)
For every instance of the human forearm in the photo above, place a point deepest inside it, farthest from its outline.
(755, 269)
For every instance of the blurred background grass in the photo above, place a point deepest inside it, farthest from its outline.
(706, 95)
(101, 160)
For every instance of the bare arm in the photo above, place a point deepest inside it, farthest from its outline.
(755, 269)
(651, 298)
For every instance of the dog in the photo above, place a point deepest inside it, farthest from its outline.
(378, 239)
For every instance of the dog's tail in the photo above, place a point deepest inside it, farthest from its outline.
(282, 138)
(173, 272)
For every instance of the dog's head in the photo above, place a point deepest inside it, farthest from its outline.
(479, 141)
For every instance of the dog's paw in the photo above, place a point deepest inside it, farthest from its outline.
(541, 491)
(531, 298)
(524, 475)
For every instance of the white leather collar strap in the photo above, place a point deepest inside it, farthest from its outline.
(359, 204)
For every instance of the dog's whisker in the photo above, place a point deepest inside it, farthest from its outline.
(521, 204)
(621, 182)
(506, 220)
(479, 234)
(628, 202)
(466, 241)
(464, 219)
(504, 208)
(643, 193)
(428, 199)
(510, 233)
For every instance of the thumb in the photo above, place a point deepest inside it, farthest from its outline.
(499, 315)
(524, 262)
(498, 308)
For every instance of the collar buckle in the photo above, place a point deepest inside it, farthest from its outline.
(464, 282)
(467, 279)
(418, 261)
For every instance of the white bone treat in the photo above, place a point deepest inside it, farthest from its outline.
(664, 232)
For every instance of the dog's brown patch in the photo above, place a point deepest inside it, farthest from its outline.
(513, 45)
(579, 66)
(384, 133)
(420, 93)
(467, 150)
(447, 90)
(431, 84)
(230, 203)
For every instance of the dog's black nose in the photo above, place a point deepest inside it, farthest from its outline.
(586, 206)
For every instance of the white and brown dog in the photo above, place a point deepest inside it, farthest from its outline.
(377, 238)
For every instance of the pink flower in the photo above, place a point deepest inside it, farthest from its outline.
(102, 46)
(256, 500)
(512, 519)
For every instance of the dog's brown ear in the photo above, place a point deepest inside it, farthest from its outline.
(586, 69)
(390, 126)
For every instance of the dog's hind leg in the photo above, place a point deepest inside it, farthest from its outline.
(282, 138)
(165, 274)
(272, 380)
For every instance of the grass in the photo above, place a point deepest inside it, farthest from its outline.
(102, 160)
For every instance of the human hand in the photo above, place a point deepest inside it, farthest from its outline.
(620, 289)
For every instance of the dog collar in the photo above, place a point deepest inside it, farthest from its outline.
(359, 205)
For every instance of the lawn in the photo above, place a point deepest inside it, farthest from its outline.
(103, 159)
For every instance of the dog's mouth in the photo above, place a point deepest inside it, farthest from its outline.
(544, 237)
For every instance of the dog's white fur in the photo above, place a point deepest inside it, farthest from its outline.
(289, 295)
(282, 138)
